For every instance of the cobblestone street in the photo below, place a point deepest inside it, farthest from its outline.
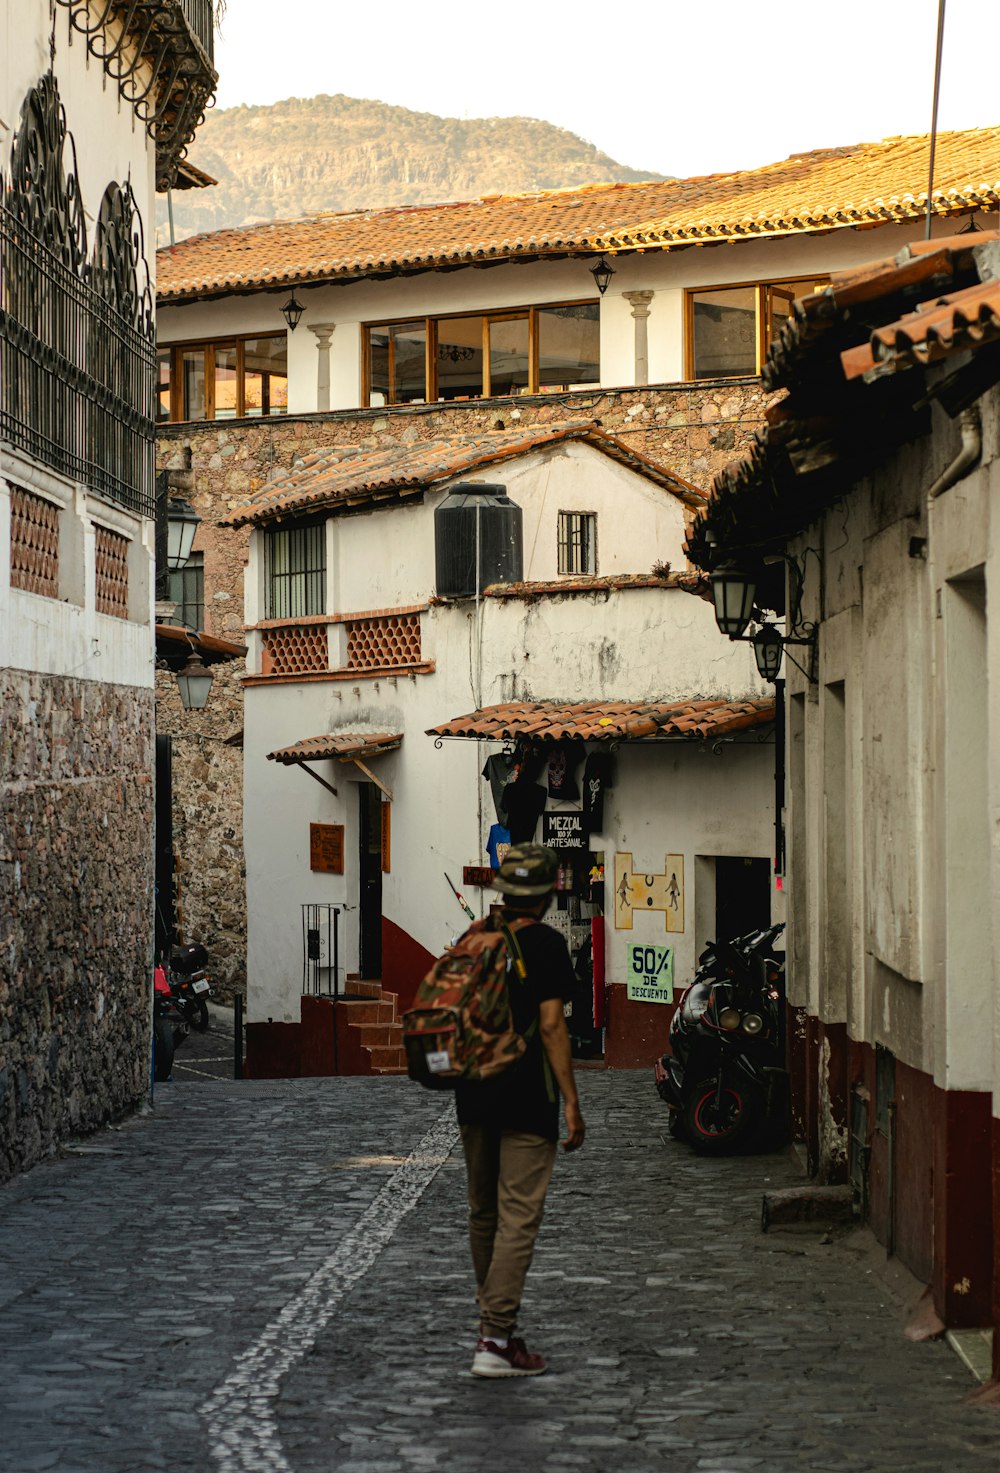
(273, 1276)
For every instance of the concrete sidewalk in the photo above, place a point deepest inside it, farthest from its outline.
(261, 1276)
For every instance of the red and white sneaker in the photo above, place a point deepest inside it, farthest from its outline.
(512, 1359)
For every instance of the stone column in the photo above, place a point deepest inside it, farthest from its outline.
(639, 302)
(323, 332)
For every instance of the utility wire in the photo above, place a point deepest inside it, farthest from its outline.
(934, 114)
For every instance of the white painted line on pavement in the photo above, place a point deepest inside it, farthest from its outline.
(243, 1433)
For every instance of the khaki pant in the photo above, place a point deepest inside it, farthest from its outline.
(509, 1173)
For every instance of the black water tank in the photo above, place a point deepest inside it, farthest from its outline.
(471, 507)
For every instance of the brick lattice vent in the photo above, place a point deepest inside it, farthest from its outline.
(295, 649)
(112, 573)
(375, 644)
(34, 543)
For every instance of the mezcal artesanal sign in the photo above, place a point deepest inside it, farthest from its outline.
(564, 831)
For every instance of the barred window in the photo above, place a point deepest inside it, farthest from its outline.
(295, 571)
(187, 593)
(577, 542)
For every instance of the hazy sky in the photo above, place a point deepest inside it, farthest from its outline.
(675, 86)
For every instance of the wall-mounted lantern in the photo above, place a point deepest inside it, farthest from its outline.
(768, 648)
(733, 593)
(182, 523)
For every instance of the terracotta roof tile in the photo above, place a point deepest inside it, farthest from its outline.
(609, 721)
(342, 744)
(338, 479)
(847, 404)
(866, 183)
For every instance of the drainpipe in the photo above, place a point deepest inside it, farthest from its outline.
(967, 457)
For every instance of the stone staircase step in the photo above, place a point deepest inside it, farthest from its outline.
(387, 1056)
(392, 1069)
(356, 988)
(372, 1035)
(362, 1011)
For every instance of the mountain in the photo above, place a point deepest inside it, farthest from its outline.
(310, 154)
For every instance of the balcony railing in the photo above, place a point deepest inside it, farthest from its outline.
(76, 377)
(162, 61)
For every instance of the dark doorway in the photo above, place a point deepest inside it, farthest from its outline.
(165, 919)
(370, 871)
(742, 896)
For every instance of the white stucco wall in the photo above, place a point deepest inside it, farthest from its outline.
(641, 644)
(67, 635)
(668, 274)
(909, 638)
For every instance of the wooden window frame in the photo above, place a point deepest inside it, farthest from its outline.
(588, 519)
(761, 290)
(209, 346)
(430, 324)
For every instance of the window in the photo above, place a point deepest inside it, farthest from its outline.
(730, 328)
(577, 542)
(240, 378)
(295, 571)
(186, 591)
(527, 350)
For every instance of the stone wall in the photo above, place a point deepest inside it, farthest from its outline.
(207, 759)
(694, 429)
(76, 908)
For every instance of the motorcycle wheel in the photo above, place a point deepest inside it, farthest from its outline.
(714, 1129)
(163, 1049)
(199, 1015)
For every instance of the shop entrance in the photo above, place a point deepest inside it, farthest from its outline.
(742, 895)
(370, 886)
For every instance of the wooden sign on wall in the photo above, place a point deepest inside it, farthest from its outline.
(326, 848)
(386, 836)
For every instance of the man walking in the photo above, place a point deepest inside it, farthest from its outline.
(509, 1124)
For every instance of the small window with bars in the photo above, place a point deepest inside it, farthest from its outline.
(187, 593)
(295, 571)
(577, 542)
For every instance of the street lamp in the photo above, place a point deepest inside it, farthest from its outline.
(768, 648)
(194, 683)
(733, 594)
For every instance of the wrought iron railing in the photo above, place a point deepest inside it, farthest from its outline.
(199, 16)
(76, 377)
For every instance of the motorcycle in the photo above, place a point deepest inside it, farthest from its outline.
(723, 1076)
(180, 1003)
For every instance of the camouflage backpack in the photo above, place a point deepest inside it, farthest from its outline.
(460, 1026)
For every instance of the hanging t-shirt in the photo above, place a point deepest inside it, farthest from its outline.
(524, 801)
(497, 844)
(596, 780)
(563, 762)
(498, 772)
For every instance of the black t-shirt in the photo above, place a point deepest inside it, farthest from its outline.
(518, 1098)
(523, 801)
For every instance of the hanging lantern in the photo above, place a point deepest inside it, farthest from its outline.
(194, 682)
(602, 274)
(733, 594)
(292, 312)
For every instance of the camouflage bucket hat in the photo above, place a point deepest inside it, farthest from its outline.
(527, 869)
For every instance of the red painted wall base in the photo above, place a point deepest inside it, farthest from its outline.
(636, 1031)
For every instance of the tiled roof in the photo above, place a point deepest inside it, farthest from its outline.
(608, 721)
(863, 184)
(849, 403)
(177, 644)
(343, 744)
(338, 479)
